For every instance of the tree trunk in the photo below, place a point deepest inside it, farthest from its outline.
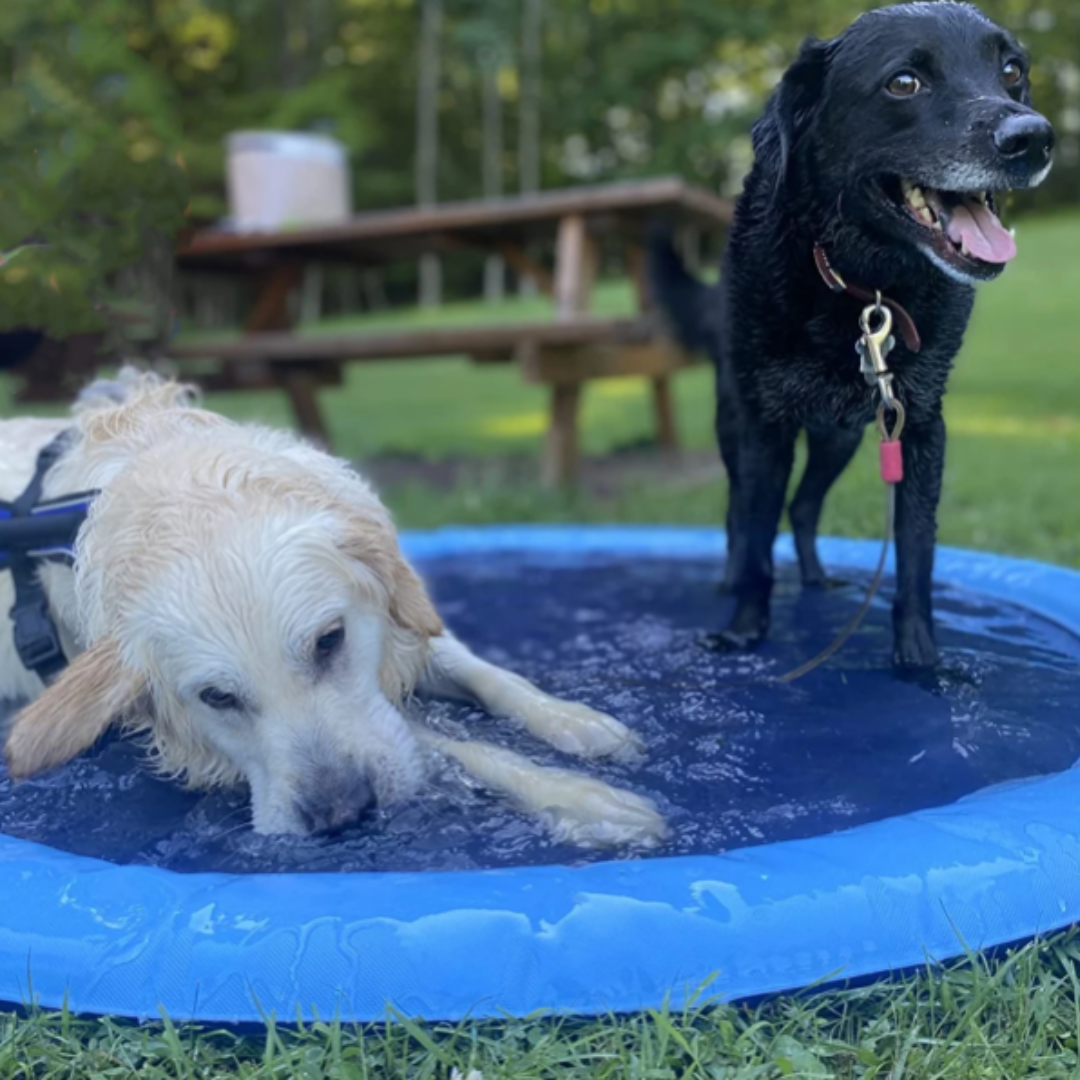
(529, 108)
(427, 138)
(494, 268)
(318, 34)
(288, 62)
(529, 115)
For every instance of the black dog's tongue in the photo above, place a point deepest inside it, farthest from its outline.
(973, 226)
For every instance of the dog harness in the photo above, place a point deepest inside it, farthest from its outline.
(33, 532)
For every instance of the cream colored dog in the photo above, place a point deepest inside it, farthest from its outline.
(240, 598)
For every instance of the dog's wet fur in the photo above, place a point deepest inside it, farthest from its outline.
(241, 602)
(844, 141)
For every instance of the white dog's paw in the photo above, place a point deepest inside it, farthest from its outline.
(590, 813)
(574, 728)
(577, 808)
(579, 730)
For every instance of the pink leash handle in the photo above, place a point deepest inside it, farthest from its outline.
(892, 461)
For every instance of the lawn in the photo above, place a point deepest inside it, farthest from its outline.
(1014, 420)
(1013, 412)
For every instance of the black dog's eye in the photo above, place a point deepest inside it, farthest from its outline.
(219, 699)
(904, 85)
(329, 644)
(1012, 73)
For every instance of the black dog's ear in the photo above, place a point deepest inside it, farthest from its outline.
(791, 106)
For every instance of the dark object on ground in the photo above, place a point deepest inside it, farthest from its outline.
(884, 146)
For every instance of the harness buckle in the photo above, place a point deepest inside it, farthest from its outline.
(36, 639)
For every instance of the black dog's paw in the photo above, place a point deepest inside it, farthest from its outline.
(811, 573)
(940, 681)
(926, 679)
(914, 648)
(814, 576)
(746, 630)
(729, 641)
(824, 582)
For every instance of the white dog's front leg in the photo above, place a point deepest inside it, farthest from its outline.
(454, 671)
(578, 809)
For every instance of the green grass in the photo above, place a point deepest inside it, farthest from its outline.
(1014, 418)
(1013, 412)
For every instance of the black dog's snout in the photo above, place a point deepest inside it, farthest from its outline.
(1025, 138)
(335, 804)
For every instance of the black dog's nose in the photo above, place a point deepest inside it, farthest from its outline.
(1025, 138)
(336, 806)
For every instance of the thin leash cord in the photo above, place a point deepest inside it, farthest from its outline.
(838, 643)
(871, 592)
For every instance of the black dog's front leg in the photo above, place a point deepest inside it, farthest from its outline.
(766, 455)
(917, 499)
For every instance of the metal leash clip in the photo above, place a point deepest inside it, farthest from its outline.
(875, 344)
(874, 347)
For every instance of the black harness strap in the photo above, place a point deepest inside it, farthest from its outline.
(33, 532)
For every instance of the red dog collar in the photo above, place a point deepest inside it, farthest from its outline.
(904, 322)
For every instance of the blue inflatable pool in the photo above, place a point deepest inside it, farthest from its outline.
(850, 824)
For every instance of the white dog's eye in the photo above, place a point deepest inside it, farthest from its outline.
(219, 699)
(329, 644)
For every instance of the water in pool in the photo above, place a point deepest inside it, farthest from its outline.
(733, 759)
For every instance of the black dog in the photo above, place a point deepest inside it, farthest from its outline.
(877, 161)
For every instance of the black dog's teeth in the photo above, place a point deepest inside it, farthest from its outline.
(918, 206)
(932, 208)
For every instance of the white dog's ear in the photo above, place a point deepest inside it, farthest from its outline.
(375, 545)
(410, 606)
(73, 713)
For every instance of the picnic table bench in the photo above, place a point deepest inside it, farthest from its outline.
(562, 353)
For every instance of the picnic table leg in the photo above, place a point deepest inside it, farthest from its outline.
(560, 467)
(303, 396)
(575, 268)
(667, 433)
(271, 312)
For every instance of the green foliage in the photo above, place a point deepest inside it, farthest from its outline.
(659, 87)
(88, 166)
(98, 96)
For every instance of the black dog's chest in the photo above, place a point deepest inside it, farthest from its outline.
(811, 374)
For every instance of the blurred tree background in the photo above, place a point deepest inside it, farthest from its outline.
(113, 113)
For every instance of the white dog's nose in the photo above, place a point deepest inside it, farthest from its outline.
(336, 804)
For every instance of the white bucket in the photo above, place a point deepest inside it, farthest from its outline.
(286, 179)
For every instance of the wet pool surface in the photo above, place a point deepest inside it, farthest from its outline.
(733, 759)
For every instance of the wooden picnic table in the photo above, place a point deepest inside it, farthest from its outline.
(563, 353)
